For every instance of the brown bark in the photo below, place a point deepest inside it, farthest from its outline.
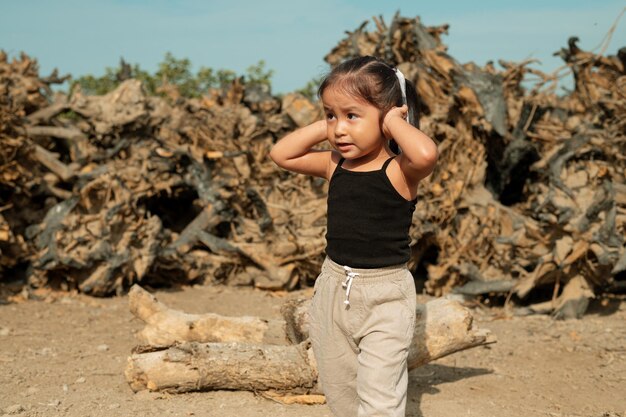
(197, 366)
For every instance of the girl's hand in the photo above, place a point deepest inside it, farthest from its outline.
(394, 113)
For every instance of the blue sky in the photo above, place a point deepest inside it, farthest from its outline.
(292, 36)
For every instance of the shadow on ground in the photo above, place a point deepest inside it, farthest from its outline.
(424, 380)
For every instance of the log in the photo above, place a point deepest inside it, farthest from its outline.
(166, 326)
(203, 366)
(443, 327)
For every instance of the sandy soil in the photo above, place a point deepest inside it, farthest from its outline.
(65, 356)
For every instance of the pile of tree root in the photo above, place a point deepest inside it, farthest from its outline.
(528, 200)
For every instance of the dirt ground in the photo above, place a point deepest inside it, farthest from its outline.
(65, 356)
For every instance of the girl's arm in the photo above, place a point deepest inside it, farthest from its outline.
(295, 152)
(419, 152)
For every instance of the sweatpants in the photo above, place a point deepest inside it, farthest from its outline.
(361, 327)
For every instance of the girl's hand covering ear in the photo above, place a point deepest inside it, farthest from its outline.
(396, 112)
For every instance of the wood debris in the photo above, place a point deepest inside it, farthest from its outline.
(528, 195)
(183, 352)
(528, 199)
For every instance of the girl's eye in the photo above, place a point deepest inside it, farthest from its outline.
(352, 116)
(329, 116)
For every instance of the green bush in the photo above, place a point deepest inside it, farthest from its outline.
(173, 71)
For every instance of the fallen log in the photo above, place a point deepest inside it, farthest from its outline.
(203, 366)
(443, 327)
(166, 326)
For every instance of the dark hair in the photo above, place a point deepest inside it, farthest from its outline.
(371, 79)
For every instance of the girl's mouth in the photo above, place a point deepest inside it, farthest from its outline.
(344, 146)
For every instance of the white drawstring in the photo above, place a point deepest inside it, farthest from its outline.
(347, 284)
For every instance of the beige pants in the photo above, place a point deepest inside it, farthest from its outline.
(362, 323)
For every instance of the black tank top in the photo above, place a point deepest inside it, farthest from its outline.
(368, 220)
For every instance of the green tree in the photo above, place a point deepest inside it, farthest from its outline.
(178, 72)
(209, 78)
(257, 74)
(173, 71)
(97, 85)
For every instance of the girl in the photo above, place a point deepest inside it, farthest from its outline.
(363, 308)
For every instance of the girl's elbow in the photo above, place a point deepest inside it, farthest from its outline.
(429, 156)
(432, 156)
(430, 160)
(423, 155)
(423, 164)
(276, 157)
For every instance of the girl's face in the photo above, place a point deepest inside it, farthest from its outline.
(353, 125)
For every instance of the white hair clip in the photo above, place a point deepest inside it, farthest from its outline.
(402, 81)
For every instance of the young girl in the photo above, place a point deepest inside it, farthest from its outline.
(363, 308)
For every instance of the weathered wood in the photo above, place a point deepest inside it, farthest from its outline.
(489, 203)
(166, 326)
(43, 115)
(189, 235)
(484, 287)
(55, 131)
(194, 366)
(126, 104)
(50, 161)
(442, 327)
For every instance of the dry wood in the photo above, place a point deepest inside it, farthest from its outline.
(55, 131)
(442, 327)
(47, 113)
(195, 366)
(527, 196)
(50, 161)
(165, 326)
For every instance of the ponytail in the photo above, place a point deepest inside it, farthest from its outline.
(412, 103)
(409, 97)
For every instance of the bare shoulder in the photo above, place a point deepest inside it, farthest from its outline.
(406, 186)
(334, 159)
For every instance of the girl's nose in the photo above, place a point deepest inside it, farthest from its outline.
(340, 129)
